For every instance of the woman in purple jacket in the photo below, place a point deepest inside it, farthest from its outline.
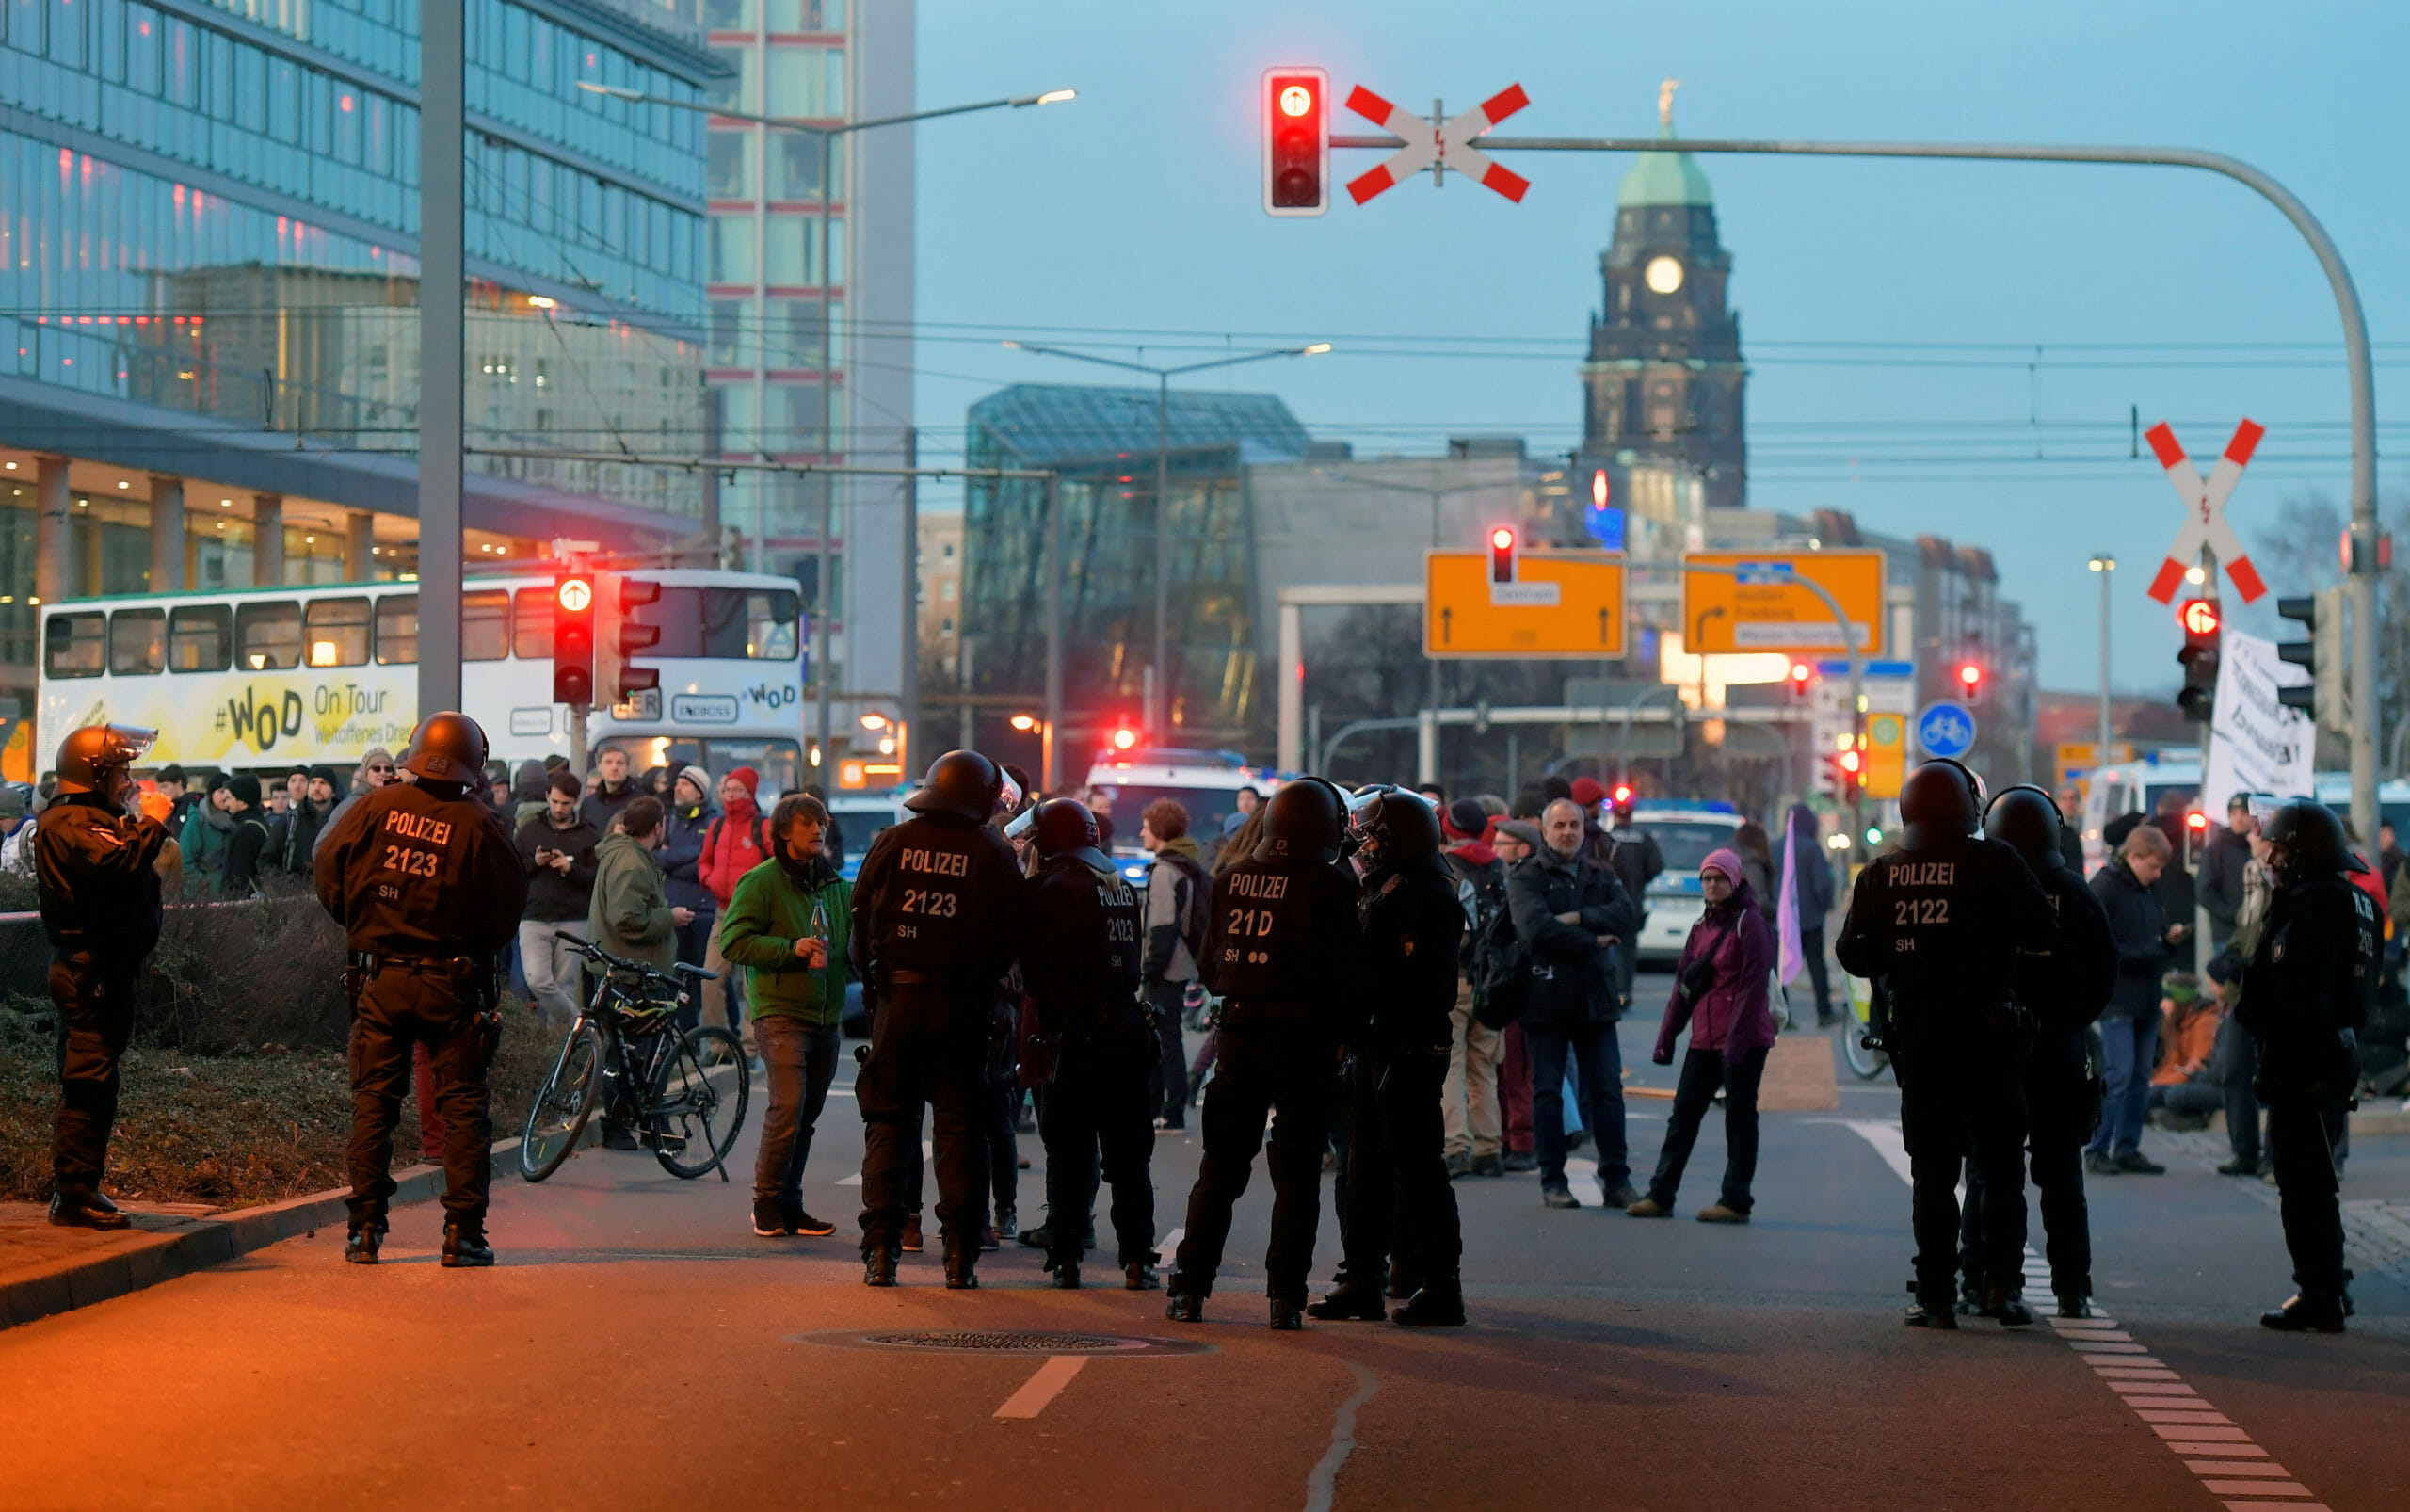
(1720, 991)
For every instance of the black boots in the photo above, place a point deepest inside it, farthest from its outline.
(962, 1263)
(878, 1266)
(360, 1249)
(1287, 1314)
(83, 1207)
(1181, 1305)
(1139, 1276)
(2007, 1306)
(1067, 1274)
(1352, 1298)
(464, 1246)
(1939, 1316)
(1439, 1304)
(2304, 1314)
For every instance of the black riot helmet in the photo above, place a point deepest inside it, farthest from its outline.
(960, 782)
(446, 748)
(2313, 840)
(1065, 826)
(1941, 802)
(1399, 830)
(1305, 822)
(89, 759)
(2026, 819)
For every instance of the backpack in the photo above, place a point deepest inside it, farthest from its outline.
(1502, 974)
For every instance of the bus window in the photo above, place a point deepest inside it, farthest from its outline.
(337, 631)
(397, 630)
(484, 625)
(137, 642)
(531, 625)
(749, 624)
(76, 645)
(200, 637)
(267, 637)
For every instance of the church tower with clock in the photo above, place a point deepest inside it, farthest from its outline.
(1664, 381)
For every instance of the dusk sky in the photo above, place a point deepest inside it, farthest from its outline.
(1946, 347)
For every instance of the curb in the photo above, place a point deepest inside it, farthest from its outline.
(146, 1258)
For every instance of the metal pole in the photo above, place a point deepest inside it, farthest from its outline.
(2201, 798)
(441, 361)
(1161, 692)
(1052, 779)
(2101, 753)
(827, 486)
(909, 676)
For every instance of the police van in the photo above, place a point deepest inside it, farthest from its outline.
(1685, 833)
(861, 816)
(1205, 782)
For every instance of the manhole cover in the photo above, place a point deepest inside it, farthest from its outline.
(1006, 1342)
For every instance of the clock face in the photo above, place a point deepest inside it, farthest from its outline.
(1663, 273)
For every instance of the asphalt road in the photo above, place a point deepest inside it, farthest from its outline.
(638, 1347)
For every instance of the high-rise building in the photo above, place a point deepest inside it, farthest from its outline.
(1663, 381)
(209, 220)
(811, 361)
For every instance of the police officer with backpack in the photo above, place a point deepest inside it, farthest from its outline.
(2064, 988)
(1398, 1194)
(2306, 992)
(1941, 923)
(938, 915)
(424, 878)
(1081, 968)
(1285, 952)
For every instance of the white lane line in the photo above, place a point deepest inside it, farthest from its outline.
(1043, 1387)
(928, 1152)
(1324, 1479)
(1170, 1247)
(2178, 1416)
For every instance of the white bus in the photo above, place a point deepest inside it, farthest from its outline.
(261, 680)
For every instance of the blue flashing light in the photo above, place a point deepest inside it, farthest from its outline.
(1605, 526)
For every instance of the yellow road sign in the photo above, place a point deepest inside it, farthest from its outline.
(1561, 603)
(1887, 754)
(1765, 609)
(2077, 755)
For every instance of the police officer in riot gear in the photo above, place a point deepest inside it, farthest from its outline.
(100, 907)
(1940, 922)
(1285, 952)
(2306, 992)
(1398, 1193)
(938, 914)
(422, 877)
(1081, 966)
(2063, 988)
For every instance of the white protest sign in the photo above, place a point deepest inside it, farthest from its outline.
(2257, 744)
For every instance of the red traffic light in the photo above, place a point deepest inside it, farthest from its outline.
(1623, 795)
(575, 594)
(1297, 141)
(1502, 554)
(1970, 675)
(2199, 617)
(573, 640)
(1598, 489)
(1124, 738)
(1850, 761)
(2196, 820)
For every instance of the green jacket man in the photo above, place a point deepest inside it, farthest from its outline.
(630, 915)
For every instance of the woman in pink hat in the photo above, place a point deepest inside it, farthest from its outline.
(1720, 991)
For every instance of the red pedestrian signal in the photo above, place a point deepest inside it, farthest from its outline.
(1297, 141)
(1502, 554)
(1803, 681)
(573, 640)
(1970, 680)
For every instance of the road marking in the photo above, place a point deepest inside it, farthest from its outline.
(1319, 1485)
(2180, 1417)
(1043, 1387)
(1170, 1247)
(928, 1152)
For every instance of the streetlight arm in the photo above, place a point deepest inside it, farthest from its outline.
(1314, 350)
(791, 123)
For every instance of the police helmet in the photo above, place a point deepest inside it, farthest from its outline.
(1065, 826)
(2026, 819)
(2313, 840)
(1941, 799)
(1306, 821)
(960, 782)
(87, 756)
(1399, 828)
(446, 748)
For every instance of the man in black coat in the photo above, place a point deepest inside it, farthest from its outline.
(2219, 886)
(2129, 1025)
(1570, 913)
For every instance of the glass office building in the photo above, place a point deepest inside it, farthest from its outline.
(208, 288)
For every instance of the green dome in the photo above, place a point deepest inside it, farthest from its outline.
(1664, 178)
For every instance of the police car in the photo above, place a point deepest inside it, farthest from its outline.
(1205, 782)
(1685, 834)
(860, 817)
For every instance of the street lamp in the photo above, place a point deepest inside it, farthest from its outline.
(2103, 563)
(761, 526)
(1163, 376)
(1025, 723)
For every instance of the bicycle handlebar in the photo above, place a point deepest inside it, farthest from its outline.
(594, 952)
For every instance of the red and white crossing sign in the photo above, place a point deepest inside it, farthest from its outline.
(2205, 523)
(1447, 143)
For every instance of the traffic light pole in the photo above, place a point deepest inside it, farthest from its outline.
(2364, 534)
(2201, 800)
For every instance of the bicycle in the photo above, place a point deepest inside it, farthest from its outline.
(1861, 1044)
(628, 1034)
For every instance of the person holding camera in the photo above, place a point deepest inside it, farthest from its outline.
(556, 851)
(1720, 992)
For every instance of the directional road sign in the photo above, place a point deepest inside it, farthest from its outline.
(1561, 603)
(1945, 729)
(1447, 143)
(1764, 609)
(2205, 521)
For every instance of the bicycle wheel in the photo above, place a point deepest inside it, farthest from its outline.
(1866, 1063)
(559, 1112)
(695, 1119)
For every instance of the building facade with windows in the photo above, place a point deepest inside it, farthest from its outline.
(810, 358)
(209, 288)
